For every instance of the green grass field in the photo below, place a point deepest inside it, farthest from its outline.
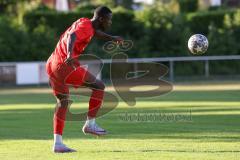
(213, 131)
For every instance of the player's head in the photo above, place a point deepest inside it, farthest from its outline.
(104, 16)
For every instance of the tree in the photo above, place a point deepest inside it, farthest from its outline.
(5, 4)
(114, 3)
(17, 8)
(126, 3)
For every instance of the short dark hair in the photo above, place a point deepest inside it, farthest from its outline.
(102, 11)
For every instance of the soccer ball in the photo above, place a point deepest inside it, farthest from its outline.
(198, 44)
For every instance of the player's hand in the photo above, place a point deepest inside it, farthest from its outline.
(70, 61)
(118, 39)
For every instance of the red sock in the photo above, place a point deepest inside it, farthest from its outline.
(95, 102)
(59, 120)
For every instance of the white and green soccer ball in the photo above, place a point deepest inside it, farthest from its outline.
(198, 44)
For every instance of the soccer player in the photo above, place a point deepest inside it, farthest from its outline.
(64, 69)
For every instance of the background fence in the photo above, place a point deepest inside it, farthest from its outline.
(33, 73)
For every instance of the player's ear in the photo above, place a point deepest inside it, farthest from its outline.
(101, 19)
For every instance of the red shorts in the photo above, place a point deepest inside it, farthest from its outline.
(62, 76)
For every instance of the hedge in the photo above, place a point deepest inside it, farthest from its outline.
(199, 22)
(188, 5)
(59, 21)
(155, 33)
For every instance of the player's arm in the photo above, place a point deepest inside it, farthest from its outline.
(70, 45)
(101, 35)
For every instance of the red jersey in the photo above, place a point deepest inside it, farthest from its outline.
(84, 32)
(60, 74)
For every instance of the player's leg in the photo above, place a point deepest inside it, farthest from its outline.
(59, 122)
(61, 92)
(96, 99)
(95, 102)
(59, 117)
(81, 77)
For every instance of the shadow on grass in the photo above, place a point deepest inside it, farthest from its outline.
(175, 96)
(37, 124)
